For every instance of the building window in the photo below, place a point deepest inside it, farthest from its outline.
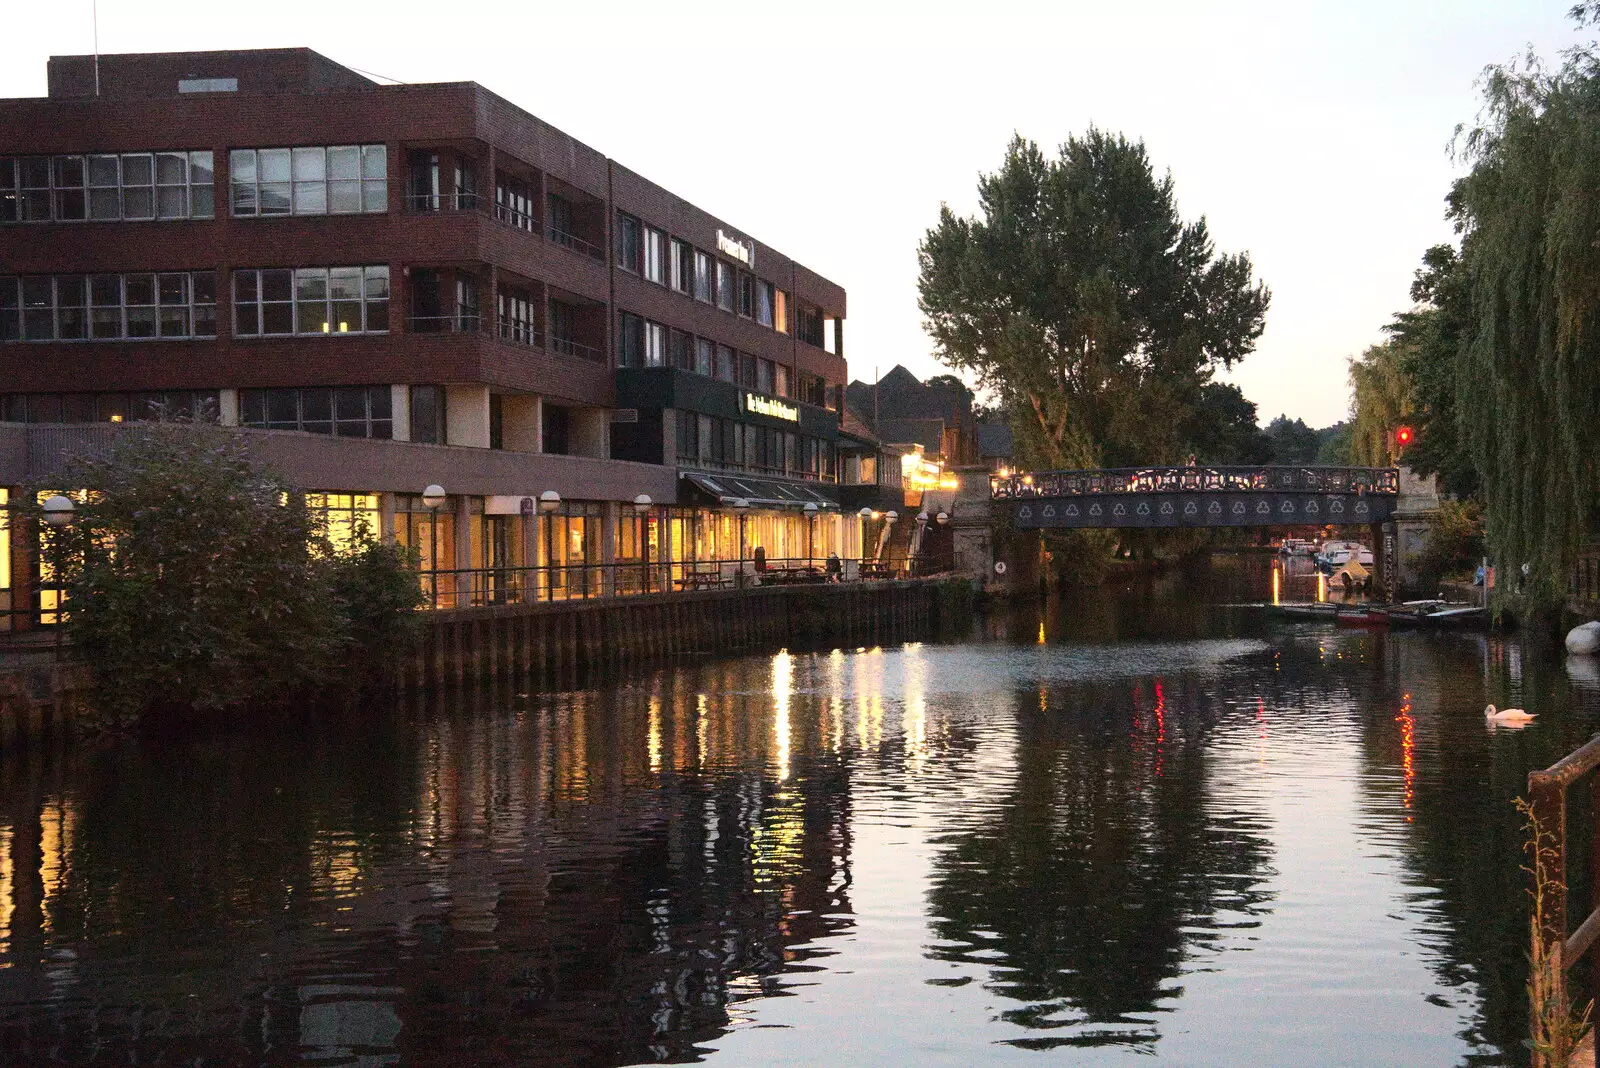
(808, 325)
(630, 340)
(106, 187)
(727, 364)
(764, 303)
(681, 350)
(108, 307)
(346, 517)
(337, 180)
(765, 377)
(427, 415)
(747, 295)
(780, 380)
(747, 370)
(780, 311)
(514, 202)
(345, 411)
(682, 266)
(655, 345)
(311, 300)
(629, 243)
(655, 255)
(725, 296)
(517, 322)
(109, 407)
(705, 357)
(704, 279)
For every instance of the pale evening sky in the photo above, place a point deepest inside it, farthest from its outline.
(1312, 137)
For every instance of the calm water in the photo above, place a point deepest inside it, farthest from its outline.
(1139, 824)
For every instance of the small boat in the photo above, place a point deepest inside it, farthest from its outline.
(1323, 612)
(1362, 616)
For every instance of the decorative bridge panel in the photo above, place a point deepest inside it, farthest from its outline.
(1201, 497)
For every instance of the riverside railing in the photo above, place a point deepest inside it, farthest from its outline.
(1547, 792)
(493, 586)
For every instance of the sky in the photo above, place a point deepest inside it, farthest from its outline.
(1314, 137)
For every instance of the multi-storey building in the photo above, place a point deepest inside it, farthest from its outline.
(392, 286)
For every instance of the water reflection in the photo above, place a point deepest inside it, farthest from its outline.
(1168, 829)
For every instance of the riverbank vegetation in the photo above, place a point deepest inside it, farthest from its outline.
(195, 581)
(1498, 361)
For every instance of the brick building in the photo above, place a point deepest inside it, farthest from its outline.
(392, 286)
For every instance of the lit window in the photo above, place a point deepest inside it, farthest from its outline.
(311, 300)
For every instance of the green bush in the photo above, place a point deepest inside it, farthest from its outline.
(193, 581)
(1454, 545)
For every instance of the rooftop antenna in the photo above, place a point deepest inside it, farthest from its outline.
(94, 16)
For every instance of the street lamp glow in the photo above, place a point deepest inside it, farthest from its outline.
(434, 495)
(865, 513)
(549, 502)
(891, 517)
(58, 509)
(942, 518)
(641, 503)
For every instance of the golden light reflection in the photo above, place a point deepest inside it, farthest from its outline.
(914, 721)
(1277, 584)
(8, 892)
(1408, 751)
(701, 717)
(57, 826)
(654, 742)
(1322, 588)
(782, 687)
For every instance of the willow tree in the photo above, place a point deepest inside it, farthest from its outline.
(1089, 308)
(1528, 395)
(1380, 389)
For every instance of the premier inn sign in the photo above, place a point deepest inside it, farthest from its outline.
(743, 251)
(768, 406)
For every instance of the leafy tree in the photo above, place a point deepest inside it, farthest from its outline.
(1291, 441)
(1381, 391)
(1430, 336)
(1528, 381)
(1333, 449)
(195, 582)
(1222, 428)
(1082, 301)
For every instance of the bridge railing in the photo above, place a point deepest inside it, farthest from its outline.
(1266, 479)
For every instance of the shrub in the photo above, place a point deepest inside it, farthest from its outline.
(194, 581)
(1454, 545)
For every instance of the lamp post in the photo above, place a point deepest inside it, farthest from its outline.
(433, 497)
(740, 506)
(549, 505)
(641, 508)
(811, 526)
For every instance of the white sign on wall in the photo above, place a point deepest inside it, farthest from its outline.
(743, 251)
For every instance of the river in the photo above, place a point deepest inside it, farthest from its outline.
(1139, 822)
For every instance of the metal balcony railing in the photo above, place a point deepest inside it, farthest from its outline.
(576, 243)
(459, 323)
(431, 202)
(568, 347)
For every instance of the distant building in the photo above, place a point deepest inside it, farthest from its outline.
(903, 410)
(996, 445)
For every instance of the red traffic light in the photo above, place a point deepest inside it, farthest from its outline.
(1403, 436)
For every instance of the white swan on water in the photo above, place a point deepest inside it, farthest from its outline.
(1507, 715)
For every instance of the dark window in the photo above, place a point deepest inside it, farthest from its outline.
(348, 411)
(630, 340)
(682, 265)
(496, 422)
(747, 295)
(682, 350)
(427, 415)
(562, 222)
(725, 286)
(808, 325)
(747, 371)
(557, 427)
(630, 243)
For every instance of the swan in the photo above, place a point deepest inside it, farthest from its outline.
(1507, 715)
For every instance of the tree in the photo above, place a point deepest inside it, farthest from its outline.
(1291, 441)
(1082, 301)
(1430, 336)
(1381, 401)
(1528, 381)
(195, 582)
